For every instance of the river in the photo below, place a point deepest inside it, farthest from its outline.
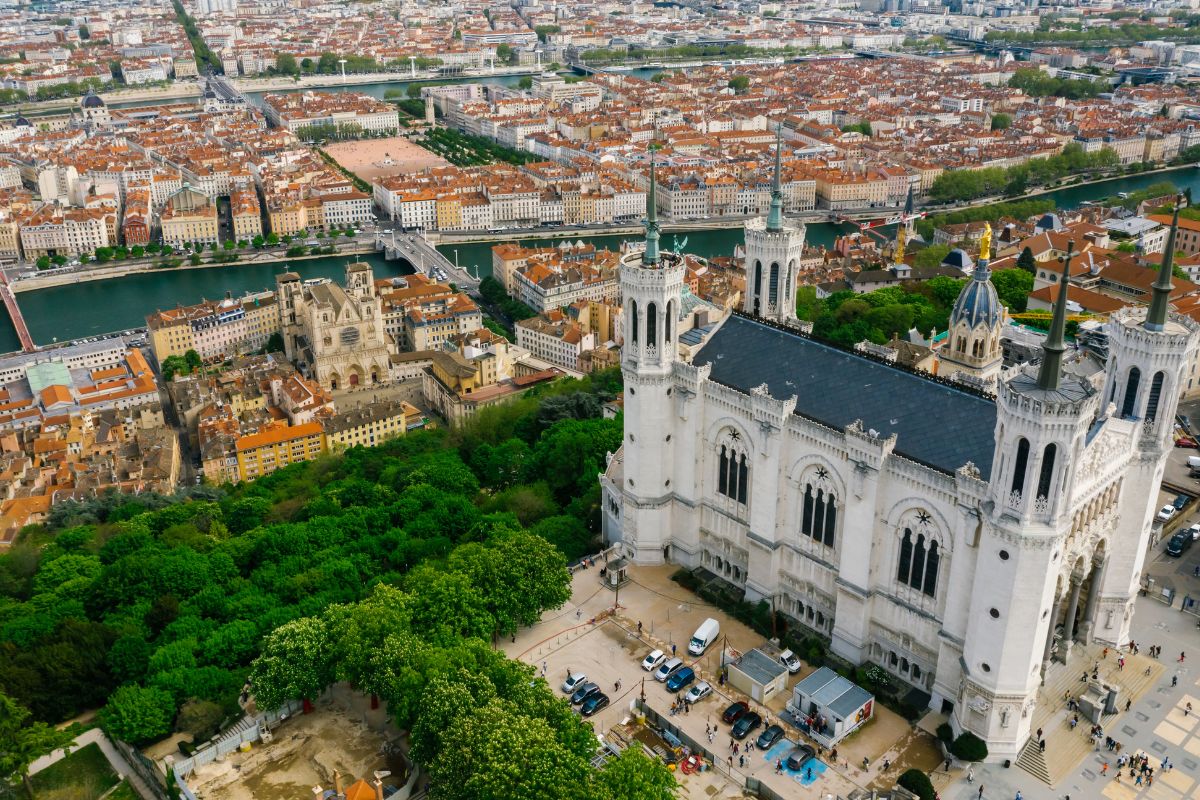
(86, 309)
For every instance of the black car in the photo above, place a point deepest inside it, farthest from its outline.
(594, 703)
(1178, 543)
(584, 692)
(796, 758)
(768, 738)
(748, 722)
(734, 712)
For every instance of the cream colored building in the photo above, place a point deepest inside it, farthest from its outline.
(189, 216)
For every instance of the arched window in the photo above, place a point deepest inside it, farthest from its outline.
(757, 285)
(929, 585)
(818, 515)
(1018, 481)
(962, 344)
(670, 318)
(1131, 390)
(1047, 472)
(733, 475)
(918, 562)
(906, 548)
(1156, 387)
(633, 320)
(773, 286)
(651, 325)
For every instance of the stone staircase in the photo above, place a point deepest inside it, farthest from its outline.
(1066, 748)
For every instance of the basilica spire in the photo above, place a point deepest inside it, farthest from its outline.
(1050, 373)
(650, 255)
(1156, 317)
(775, 217)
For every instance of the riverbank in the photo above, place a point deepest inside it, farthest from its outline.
(277, 83)
(472, 237)
(124, 270)
(115, 99)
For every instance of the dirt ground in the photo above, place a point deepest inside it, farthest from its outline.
(611, 649)
(376, 158)
(342, 733)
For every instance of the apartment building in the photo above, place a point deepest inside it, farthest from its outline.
(246, 213)
(53, 230)
(299, 110)
(419, 314)
(277, 446)
(560, 342)
(189, 216)
(216, 330)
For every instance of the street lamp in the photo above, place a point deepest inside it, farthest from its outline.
(456, 258)
(342, 61)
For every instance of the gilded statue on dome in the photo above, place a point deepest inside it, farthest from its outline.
(985, 242)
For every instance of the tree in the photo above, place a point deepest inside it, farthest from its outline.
(272, 239)
(969, 747)
(137, 251)
(1001, 122)
(739, 83)
(863, 127)
(22, 741)
(200, 718)
(525, 82)
(274, 343)
(518, 577)
(285, 64)
(137, 715)
(632, 775)
(918, 783)
(505, 53)
(931, 256)
(1026, 261)
(193, 360)
(500, 754)
(295, 663)
(43, 262)
(1013, 287)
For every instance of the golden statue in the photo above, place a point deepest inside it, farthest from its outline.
(985, 242)
(901, 238)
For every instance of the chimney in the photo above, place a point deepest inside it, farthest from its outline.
(378, 789)
(338, 789)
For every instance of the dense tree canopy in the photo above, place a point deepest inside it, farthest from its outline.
(176, 594)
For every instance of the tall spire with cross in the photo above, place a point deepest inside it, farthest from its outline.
(1156, 316)
(650, 255)
(775, 217)
(1050, 374)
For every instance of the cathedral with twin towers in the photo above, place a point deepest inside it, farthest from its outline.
(960, 539)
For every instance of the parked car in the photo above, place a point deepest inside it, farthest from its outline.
(789, 660)
(1179, 543)
(1186, 441)
(573, 682)
(746, 723)
(734, 712)
(1165, 513)
(584, 692)
(680, 679)
(1194, 530)
(652, 661)
(667, 669)
(698, 692)
(768, 738)
(594, 703)
(795, 759)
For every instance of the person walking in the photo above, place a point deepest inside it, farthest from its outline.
(1182, 655)
(970, 774)
(1104, 769)
(1174, 681)
(981, 791)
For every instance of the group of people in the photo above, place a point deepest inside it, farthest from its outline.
(1139, 768)
(679, 706)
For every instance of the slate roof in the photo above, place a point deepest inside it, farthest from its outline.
(936, 424)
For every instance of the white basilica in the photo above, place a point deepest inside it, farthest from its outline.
(959, 539)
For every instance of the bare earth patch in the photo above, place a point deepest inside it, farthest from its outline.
(378, 158)
(304, 752)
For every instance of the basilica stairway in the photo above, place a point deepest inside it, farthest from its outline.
(1066, 748)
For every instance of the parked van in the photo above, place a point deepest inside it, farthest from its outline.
(1194, 462)
(705, 635)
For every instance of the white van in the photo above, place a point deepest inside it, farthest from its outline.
(705, 635)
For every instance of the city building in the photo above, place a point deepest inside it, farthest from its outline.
(189, 216)
(215, 329)
(335, 333)
(956, 540)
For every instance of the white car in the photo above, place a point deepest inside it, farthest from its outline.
(789, 660)
(698, 692)
(651, 662)
(573, 682)
(1194, 530)
(1165, 513)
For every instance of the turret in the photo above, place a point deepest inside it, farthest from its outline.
(774, 247)
(972, 347)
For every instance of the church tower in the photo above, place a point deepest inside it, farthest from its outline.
(1148, 356)
(1043, 416)
(774, 248)
(972, 345)
(651, 287)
